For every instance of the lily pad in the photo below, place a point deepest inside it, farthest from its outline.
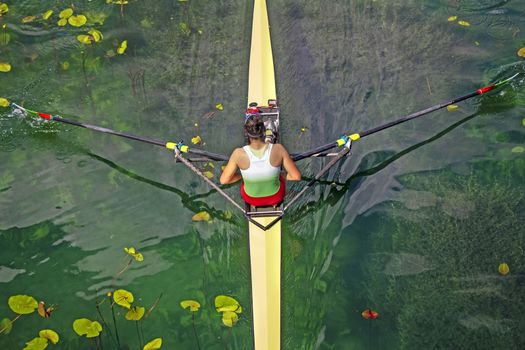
(518, 149)
(155, 344)
(66, 13)
(3, 9)
(135, 313)
(196, 140)
(47, 14)
(135, 254)
(123, 298)
(5, 67)
(201, 216)
(77, 21)
(224, 303)
(230, 318)
(503, 269)
(90, 329)
(521, 52)
(28, 19)
(464, 23)
(4, 102)
(36, 344)
(22, 304)
(50, 335)
(62, 22)
(452, 18)
(122, 48)
(452, 108)
(193, 305)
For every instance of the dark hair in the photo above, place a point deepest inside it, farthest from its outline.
(254, 127)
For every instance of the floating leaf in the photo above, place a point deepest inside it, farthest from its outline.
(155, 344)
(96, 17)
(50, 335)
(192, 304)
(184, 28)
(523, 122)
(22, 304)
(229, 318)
(3, 9)
(123, 298)
(476, 43)
(66, 13)
(369, 314)
(122, 48)
(219, 106)
(77, 21)
(28, 19)
(6, 326)
(96, 34)
(452, 18)
(208, 174)
(36, 344)
(521, 52)
(90, 329)
(62, 22)
(4, 102)
(84, 39)
(65, 65)
(303, 129)
(201, 216)
(136, 255)
(503, 269)
(196, 140)
(224, 303)
(464, 23)
(452, 108)
(518, 149)
(5, 67)
(47, 14)
(135, 313)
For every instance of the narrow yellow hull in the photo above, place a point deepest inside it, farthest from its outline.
(265, 246)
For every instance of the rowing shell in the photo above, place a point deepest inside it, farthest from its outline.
(265, 246)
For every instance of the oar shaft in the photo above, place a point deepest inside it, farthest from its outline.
(169, 145)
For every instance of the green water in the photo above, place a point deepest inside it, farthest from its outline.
(414, 226)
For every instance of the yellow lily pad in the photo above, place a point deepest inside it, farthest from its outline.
(62, 22)
(77, 21)
(22, 304)
(196, 140)
(6, 326)
(452, 18)
(84, 39)
(4, 102)
(208, 174)
(523, 122)
(521, 52)
(65, 65)
(452, 108)
(229, 318)
(66, 13)
(36, 344)
(219, 106)
(96, 17)
(96, 34)
(47, 14)
(28, 19)
(123, 298)
(155, 344)
(224, 303)
(50, 335)
(201, 216)
(122, 48)
(518, 149)
(503, 269)
(193, 305)
(135, 254)
(464, 23)
(5, 67)
(90, 329)
(135, 313)
(3, 9)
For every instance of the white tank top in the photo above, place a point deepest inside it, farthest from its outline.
(261, 179)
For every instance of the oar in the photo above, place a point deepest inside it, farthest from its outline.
(415, 115)
(168, 145)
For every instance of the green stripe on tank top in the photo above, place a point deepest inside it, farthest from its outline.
(262, 187)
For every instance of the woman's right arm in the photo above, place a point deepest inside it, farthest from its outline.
(229, 174)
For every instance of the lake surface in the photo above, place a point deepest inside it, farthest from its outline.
(413, 225)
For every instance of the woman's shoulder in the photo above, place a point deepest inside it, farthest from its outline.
(277, 147)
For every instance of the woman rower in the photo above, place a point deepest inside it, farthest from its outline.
(260, 164)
